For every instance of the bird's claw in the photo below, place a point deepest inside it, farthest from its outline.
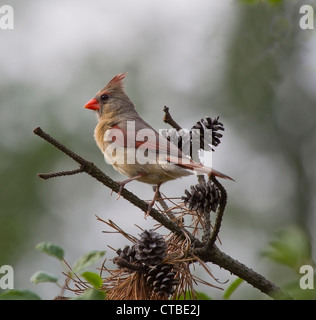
(150, 206)
(120, 190)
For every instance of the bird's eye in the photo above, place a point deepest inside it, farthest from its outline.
(104, 96)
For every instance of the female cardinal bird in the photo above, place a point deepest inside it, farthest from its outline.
(132, 146)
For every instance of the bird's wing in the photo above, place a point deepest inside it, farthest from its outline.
(149, 139)
(145, 138)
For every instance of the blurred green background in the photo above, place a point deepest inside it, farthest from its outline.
(248, 62)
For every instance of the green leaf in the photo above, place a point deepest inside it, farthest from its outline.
(291, 248)
(199, 296)
(294, 289)
(51, 249)
(232, 288)
(93, 278)
(87, 260)
(202, 296)
(91, 294)
(42, 276)
(275, 1)
(14, 294)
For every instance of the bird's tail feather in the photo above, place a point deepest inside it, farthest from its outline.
(200, 169)
(220, 175)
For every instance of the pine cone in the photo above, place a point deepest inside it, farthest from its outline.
(128, 254)
(151, 248)
(126, 259)
(203, 197)
(162, 279)
(204, 140)
(209, 124)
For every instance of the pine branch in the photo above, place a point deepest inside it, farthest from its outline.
(207, 253)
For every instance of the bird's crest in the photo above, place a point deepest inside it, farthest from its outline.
(117, 82)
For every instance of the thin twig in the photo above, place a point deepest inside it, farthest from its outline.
(46, 176)
(169, 120)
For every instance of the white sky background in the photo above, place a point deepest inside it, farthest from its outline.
(57, 32)
(49, 47)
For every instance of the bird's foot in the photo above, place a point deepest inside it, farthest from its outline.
(151, 204)
(123, 183)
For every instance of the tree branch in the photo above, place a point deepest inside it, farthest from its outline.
(207, 254)
(237, 268)
(220, 212)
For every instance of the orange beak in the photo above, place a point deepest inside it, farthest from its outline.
(93, 104)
